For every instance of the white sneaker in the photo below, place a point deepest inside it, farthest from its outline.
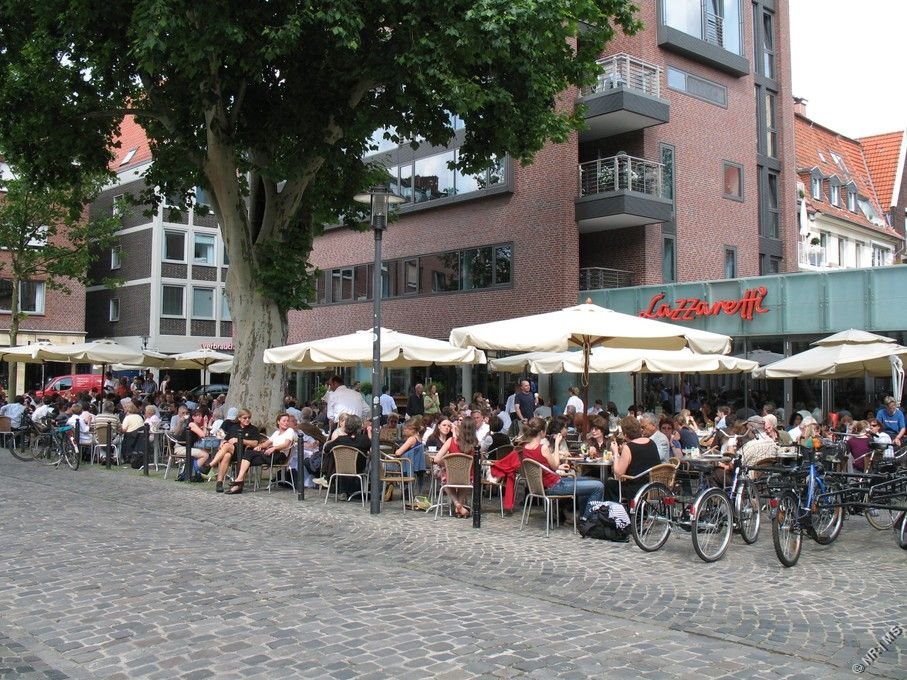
(321, 481)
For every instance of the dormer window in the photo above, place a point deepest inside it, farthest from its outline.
(815, 184)
(851, 199)
(834, 192)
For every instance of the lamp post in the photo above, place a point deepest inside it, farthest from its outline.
(379, 198)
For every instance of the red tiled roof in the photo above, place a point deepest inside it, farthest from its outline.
(132, 137)
(882, 155)
(814, 145)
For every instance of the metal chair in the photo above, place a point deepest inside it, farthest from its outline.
(458, 467)
(666, 473)
(99, 443)
(532, 474)
(346, 459)
(7, 436)
(393, 471)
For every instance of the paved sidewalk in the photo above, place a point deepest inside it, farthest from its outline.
(113, 575)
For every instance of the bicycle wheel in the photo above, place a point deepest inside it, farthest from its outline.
(712, 525)
(785, 530)
(651, 522)
(71, 453)
(879, 518)
(900, 533)
(44, 451)
(747, 513)
(827, 518)
(19, 450)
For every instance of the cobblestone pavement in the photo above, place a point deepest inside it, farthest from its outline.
(113, 575)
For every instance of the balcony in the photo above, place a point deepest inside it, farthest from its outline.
(625, 98)
(621, 191)
(598, 278)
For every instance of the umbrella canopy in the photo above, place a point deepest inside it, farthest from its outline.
(621, 360)
(198, 358)
(586, 326)
(398, 350)
(760, 356)
(222, 367)
(23, 354)
(95, 352)
(848, 354)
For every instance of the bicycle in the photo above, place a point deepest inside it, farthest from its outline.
(56, 446)
(803, 502)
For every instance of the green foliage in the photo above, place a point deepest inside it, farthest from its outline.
(270, 106)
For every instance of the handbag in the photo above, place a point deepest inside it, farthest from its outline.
(313, 464)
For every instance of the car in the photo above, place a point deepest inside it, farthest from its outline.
(209, 390)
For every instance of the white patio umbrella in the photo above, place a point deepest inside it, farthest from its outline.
(95, 352)
(22, 354)
(760, 356)
(198, 358)
(222, 367)
(621, 360)
(848, 354)
(398, 350)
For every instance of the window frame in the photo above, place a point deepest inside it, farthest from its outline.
(113, 309)
(731, 165)
(815, 187)
(211, 315)
(212, 249)
(730, 258)
(40, 297)
(164, 254)
(182, 289)
(116, 257)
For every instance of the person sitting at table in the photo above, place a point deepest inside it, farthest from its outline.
(388, 432)
(666, 427)
(413, 451)
(352, 435)
(132, 429)
(554, 473)
(597, 440)
(273, 450)
(462, 441)
(858, 444)
(238, 433)
(558, 428)
(632, 453)
(683, 426)
(197, 429)
(496, 443)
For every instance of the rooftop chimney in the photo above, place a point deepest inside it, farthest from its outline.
(800, 105)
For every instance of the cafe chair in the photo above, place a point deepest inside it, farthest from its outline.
(665, 473)
(532, 474)
(394, 471)
(459, 467)
(346, 459)
(99, 443)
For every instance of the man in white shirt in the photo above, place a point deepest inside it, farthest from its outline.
(45, 409)
(15, 410)
(388, 405)
(341, 399)
(574, 401)
(480, 417)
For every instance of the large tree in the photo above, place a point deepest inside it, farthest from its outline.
(270, 107)
(46, 236)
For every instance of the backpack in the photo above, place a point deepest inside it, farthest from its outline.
(600, 524)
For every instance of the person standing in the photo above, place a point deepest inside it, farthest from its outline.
(431, 401)
(892, 419)
(415, 405)
(574, 401)
(524, 402)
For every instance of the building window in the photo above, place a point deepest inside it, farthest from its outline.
(768, 45)
(116, 207)
(668, 260)
(851, 200)
(881, 256)
(202, 303)
(129, 155)
(730, 262)
(172, 301)
(203, 249)
(115, 258)
(226, 260)
(733, 181)
(769, 204)
(175, 246)
(834, 192)
(714, 21)
(859, 248)
(224, 307)
(114, 309)
(201, 198)
(667, 160)
(31, 296)
(815, 184)
(698, 87)
(771, 126)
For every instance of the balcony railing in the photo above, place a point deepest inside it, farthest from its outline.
(596, 278)
(622, 70)
(714, 28)
(621, 173)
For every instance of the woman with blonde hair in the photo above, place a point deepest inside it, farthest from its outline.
(463, 441)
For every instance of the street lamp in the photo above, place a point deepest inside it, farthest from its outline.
(379, 198)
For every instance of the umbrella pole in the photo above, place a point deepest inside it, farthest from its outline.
(587, 350)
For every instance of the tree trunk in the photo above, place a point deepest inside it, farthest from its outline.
(258, 324)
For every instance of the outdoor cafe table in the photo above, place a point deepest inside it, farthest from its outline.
(604, 466)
